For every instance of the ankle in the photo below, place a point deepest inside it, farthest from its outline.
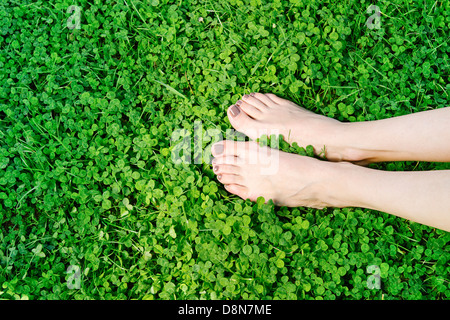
(323, 190)
(333, 188)
(356, 155)
(345, 146)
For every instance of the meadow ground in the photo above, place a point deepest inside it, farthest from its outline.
(92, 205)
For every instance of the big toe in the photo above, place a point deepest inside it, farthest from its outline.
(240, 120)
(246, 121)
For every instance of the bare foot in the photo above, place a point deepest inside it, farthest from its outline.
(257, 114)
(250, 171)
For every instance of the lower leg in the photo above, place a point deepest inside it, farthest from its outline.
(422, 136)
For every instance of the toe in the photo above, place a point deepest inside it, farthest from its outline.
(252, 127)
(227, 178)
(226, 169)
(264, 99)
(238, 190)
(275, 98)
(255, 102)
(251, 110)
(233, 148)
(230, 160)
(239, 119)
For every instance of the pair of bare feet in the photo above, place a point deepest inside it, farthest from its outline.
(250, 171)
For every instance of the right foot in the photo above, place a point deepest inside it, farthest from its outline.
(257, 114)
(250, 171)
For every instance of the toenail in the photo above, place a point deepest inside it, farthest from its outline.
(252, 94)
(219, 176)
(216, 168)
(218, 148)
(239, 102)
(235, 110)
(245, 96)
(214, 161)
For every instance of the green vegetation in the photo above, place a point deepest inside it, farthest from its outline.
(86, 177)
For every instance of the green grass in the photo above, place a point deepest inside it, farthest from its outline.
(86, 176)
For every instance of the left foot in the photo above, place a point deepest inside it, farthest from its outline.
(257, 114)
(250, 171)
